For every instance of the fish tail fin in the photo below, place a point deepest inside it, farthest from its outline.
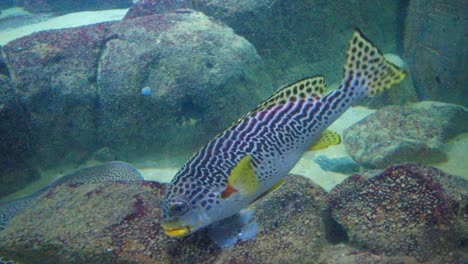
(367, 72)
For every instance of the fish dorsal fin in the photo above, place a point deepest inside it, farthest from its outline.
(327, 138)
(242, 179)
(263, 195)
(308, 87)
(312, 87)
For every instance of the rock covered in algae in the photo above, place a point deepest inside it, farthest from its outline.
(408, 209)
(413, 133)
(435, 46)
(120, 223)
(202, 76)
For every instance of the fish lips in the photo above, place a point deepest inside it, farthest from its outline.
(173, 229)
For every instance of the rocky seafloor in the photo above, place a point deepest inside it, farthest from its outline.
(407, 213)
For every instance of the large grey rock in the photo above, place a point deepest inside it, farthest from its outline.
(436, 48)
(405, 210)
(56, 73)
(83, 85)
(120, 223)
(17, 144)
(297, 38)
(201, 76)
(413, 133)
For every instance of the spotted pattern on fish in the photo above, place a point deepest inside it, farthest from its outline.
(107, 172)
(277, 132)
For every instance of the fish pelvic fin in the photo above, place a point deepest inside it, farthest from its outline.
(366, 70)
(327, 138)
(242, 179)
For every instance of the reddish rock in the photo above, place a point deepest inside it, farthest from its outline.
(407, 209)
(120, 223)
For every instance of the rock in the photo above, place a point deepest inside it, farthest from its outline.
(56, 73)
(83, 85)
(107, 172)
(343, 253)
(413, 133)
(120, 223)
(344, 165)
(435, 46)
(17, 144)
(297, 38)
(405, 210)
(202, 77)
(68, 6)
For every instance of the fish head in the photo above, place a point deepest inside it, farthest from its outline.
(185, 212)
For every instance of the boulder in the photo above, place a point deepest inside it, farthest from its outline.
(120, 223)
(68, 6)
(343, 253)
(412, 133)
(297, 38)
(197, 76)
(17, 144)
(404, 210)
(55, 71)
(436, 50)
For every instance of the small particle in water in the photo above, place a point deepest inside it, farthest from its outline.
(146, 91)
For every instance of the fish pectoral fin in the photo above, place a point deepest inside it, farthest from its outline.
(242, 179)
(263, 195)
(327, 139)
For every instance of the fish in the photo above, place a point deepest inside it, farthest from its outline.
(107, 172)
(250, 158)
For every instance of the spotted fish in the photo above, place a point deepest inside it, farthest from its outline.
(251, 157)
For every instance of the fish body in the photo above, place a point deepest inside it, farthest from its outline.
(251, 157)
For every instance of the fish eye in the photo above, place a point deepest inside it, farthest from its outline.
(179, 208)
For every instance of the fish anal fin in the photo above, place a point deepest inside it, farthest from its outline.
(242, 179)
(327, 138)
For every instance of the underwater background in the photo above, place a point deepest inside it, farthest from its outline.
(101, 102)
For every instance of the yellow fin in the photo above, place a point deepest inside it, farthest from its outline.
(366, 64)
(276, 186)
(242, 179)
(327, 139)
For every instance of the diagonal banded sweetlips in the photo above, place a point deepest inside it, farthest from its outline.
(252, 156)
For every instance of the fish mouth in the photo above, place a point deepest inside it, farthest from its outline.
(178, 231)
